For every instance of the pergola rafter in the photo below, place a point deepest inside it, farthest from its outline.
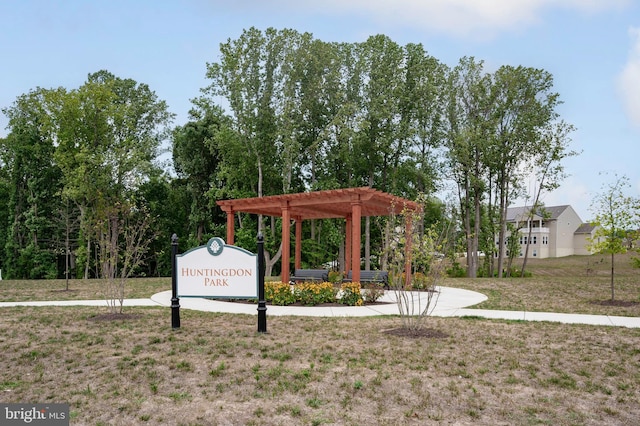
(350, 203)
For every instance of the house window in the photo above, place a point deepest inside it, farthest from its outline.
(535, 238)
(525, 239)
(535, 253)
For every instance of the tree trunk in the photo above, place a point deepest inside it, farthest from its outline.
(269, 262)
(612, 274)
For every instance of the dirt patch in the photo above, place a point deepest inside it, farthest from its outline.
(423, 333)
(114, 317)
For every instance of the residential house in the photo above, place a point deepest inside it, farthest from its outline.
(556, 231)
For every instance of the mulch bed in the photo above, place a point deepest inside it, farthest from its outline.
(615, 303)
(332, 304)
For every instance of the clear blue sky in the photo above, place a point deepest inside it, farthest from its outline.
(592, 48)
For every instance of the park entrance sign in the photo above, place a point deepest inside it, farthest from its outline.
(217, 270)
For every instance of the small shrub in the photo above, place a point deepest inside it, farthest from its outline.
(350, 294)
(372, 292)
(335, 277)
(420, 281)
(456, 271)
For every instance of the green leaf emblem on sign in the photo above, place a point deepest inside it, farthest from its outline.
(215, 246)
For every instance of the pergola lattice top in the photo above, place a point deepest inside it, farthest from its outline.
(333, 203)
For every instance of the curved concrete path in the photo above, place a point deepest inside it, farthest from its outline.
(451, 302)
(448, 300)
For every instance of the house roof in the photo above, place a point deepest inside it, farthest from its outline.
(585, 228)
(520, 213)
(334, 203)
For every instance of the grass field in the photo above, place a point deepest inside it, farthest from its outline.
(216, 370)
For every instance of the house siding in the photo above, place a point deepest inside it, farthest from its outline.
(561, 234)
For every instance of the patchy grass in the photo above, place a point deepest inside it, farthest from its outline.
(563, 285)
(217, 370)
(25, 290)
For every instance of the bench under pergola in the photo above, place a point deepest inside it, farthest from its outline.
(351, 204)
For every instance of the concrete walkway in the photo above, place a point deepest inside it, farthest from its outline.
(450, 302)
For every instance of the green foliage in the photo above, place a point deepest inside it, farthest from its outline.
(303, 114)
(38, 263)
(196, 158)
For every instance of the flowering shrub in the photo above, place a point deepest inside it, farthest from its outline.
(312, 293)
(350, 294)
(279, 293)
(309, 293)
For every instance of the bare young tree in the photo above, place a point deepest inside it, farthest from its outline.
(123, 238)
(615, 217)
(413, 246)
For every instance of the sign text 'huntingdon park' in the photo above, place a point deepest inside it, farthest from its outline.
(217, 270)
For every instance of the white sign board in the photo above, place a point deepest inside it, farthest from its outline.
(217, 270)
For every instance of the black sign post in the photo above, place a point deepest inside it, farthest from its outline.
(262, 304)
(175, 302)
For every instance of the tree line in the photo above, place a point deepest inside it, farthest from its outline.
(86, 192)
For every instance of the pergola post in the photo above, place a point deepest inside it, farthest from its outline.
(298, 260)
(286, 241)
(347, 244)
(230, 226)
(356, 215)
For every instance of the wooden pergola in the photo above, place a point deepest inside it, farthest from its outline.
(351, 204)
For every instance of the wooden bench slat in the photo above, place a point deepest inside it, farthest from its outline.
(309, 275)
(370, 277)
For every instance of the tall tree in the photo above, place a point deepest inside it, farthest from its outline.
(109, 132)
(27, 154)
(377, 147)
(548, 168)
(523, 105)
(421, 130)
(196, 157)
(467, 112)
(249, 75)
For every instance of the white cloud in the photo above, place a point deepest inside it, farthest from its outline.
(629, 79)
(463, 18)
